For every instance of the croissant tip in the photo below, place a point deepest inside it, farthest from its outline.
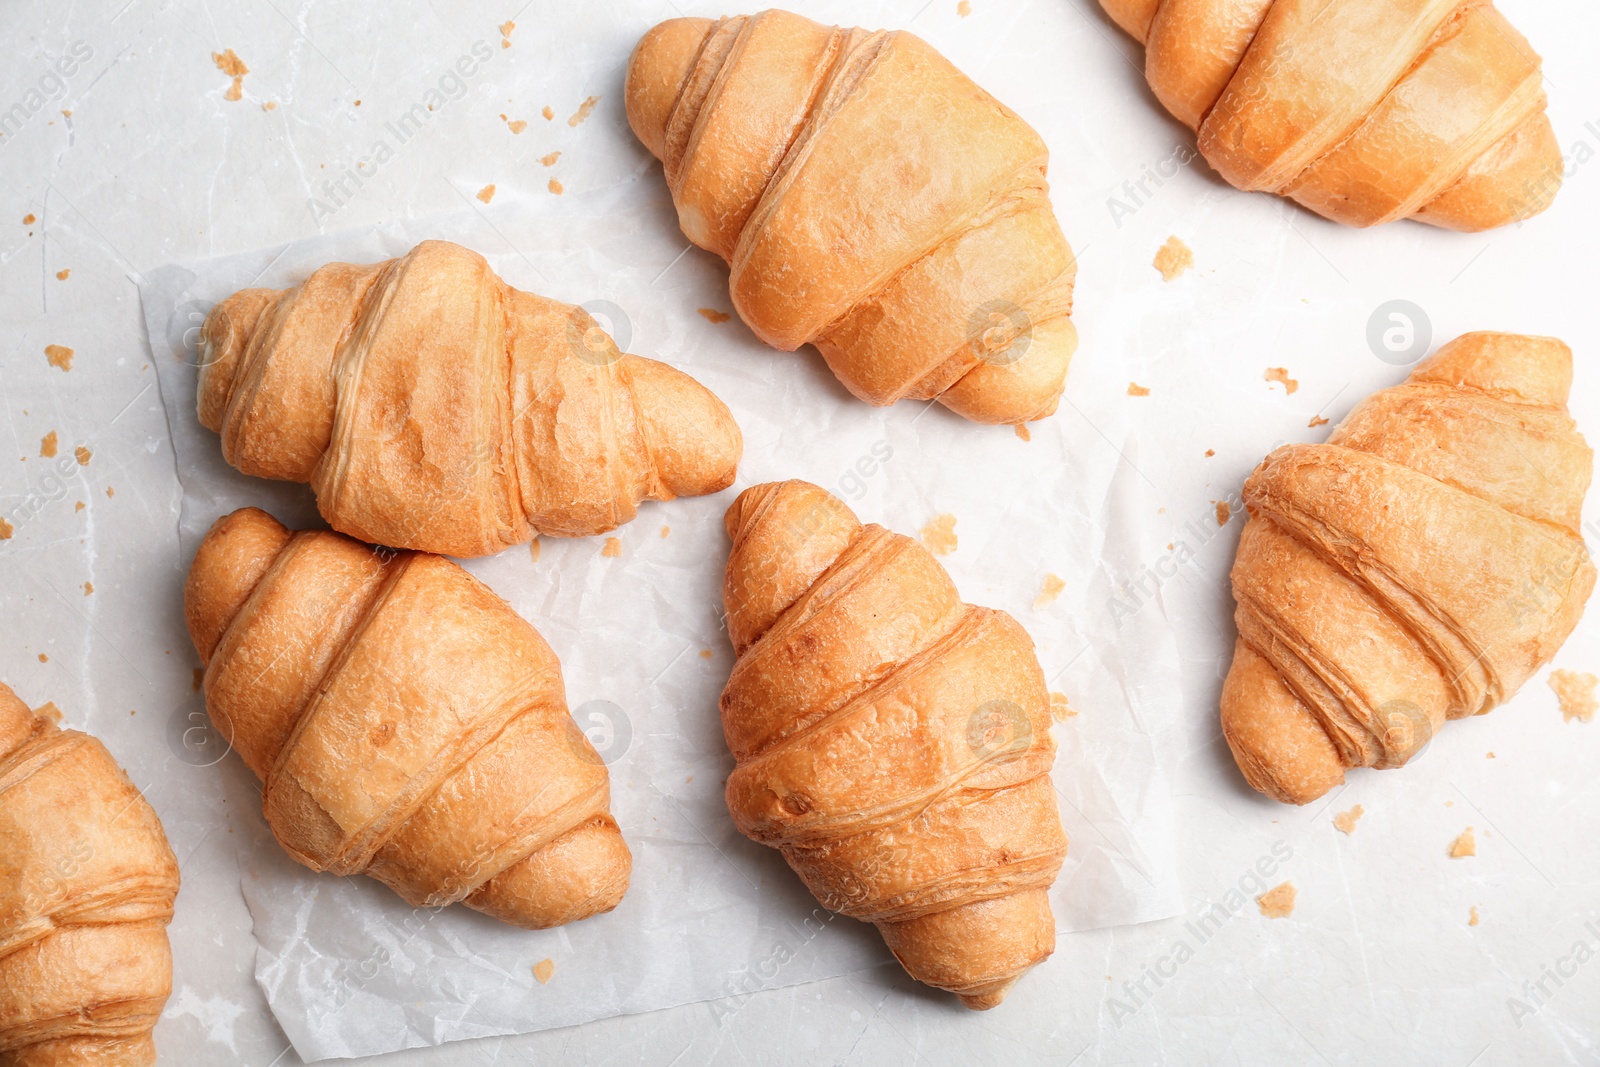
(984, 1001)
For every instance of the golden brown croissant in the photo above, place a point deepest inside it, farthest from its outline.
(1418, 567)
(405, 721)
(87, 882)
(433, 407)
(1364, 111)
(871, 200)
(892, 742)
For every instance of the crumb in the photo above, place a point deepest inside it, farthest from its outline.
(486, 194)
(63, 274)
(43, 658)
(358, 104)
(234, 67)
(1281, 376)
(517, 125)
(1488, 755)
(1345, 821)
(713, 315)
(556, 187)
(29, 219)
(83, 454)
(66, 113)
(543, 970)
(1048, 592)
(48, 710)
(1173, 258)
(550, 160)
(1059, 711)
(964, 8)
(1316, 420)
(940, 534)
(1135, 389)
(613, 547)
(48, 445)
(583, 111)
(199, 677)
(88, 588)
(1023, 432)
(705, 653)
(1575, 692)
(506, 28)
(1224, 513)
(270, 105)
(6, 530)
(1472, 915)
(79, 506)
(665, 530)
(1463, 846)
(533, 550)
(110, 492)
(548, 113)
(59, 356)
(1278, 902)
(1210, 452)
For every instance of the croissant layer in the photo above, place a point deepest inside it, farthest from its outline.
(405, 722)
(892, 742)
(1419, 567)
(1364, 112)
(433, 407)
(870, 200)
(87, 883)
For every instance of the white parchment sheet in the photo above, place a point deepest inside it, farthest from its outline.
(350, 970)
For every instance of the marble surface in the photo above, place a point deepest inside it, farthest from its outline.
(135, 157)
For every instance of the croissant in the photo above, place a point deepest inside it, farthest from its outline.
(892, 742)
(1364, 111)
(87, 882)
(433, 407)
(405, 722)
(1418, 567)
(870, 200)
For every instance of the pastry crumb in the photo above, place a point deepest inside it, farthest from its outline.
(486, 194)
(48, 445)
(231, 65)
(964, 8)
(43, 658)
(1464, 845)
(1316, 420)
(88, 588)
(110, 492)
(705, 653)
(63, 274)
(665, 530)
(83, 454)
(940, 534)
(1281, 376)
(1023, 431)
(1488, 755)
(48, 710)
(517, 125)
(270, 105)
(533, 549)
(613, 547)
(506, 28)
(1345, 821)
(29, 219)
(550, 159)
(1052, 587)
(548, 113)
(1224, 513)
(583, 111)
(60, 356)
(713, 315)
(6, 530)
(543, 970)
(1135, 389)
(1059, 710)
(1277, 902)
(1210, 452)
(1575, 692)
(79, 506)
(1173, 258)
(1472, 915)
(556, 187)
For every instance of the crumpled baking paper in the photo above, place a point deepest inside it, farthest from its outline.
(351, 970)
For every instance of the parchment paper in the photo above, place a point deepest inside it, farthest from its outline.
(350, 970)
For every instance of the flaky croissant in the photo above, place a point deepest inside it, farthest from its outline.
(1364, 111)
(87, 882)
(871, 200)
(1418, 567)
(406, 724)
(892, 742)
(433, 407)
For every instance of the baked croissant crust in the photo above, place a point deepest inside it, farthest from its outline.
(1364, 111)
(892, 742)
(87, 882)
(1418, 567)
(869, 199)
(405, 722)
(433, 407)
